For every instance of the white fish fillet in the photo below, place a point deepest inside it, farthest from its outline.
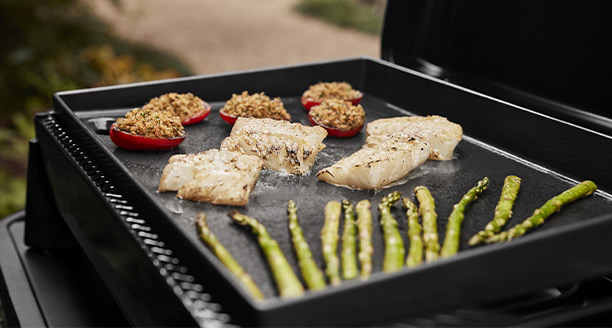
(376, 166)
(394, 147)
(215, 176)
(283, 146)
(441, 134)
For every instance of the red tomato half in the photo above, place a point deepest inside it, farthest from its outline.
(198, 117)
(228, 118)
(308, 102)
(336, 132)
(134, 142)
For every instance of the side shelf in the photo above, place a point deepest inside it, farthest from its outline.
(50, 289)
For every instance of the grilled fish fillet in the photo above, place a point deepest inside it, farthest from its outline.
(441, 134)
(283, 146)
(376, 166)
(215, 176)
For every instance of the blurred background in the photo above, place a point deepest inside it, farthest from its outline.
(59, 45)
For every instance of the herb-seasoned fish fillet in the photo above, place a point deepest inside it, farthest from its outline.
(283, 146)
(377, 166)
(394, 147)
(215, 176)
(441, 134)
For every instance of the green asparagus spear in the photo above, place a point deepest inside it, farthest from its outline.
(552, 206)
(329, 241)
(349, 242)
(427, 210)
(415, 254)
(364, 225)
(394, 245)
(225, 257)
(453, 227)
(503, 210)
(313, 276)
(287, 282)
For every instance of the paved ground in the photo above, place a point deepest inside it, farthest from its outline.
(224, 35)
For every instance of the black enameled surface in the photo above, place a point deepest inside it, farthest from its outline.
(447, 181)
(478, 155)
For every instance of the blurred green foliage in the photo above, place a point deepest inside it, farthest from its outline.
(43, 45)
(12, 175)
(50, 46)
(362, 15)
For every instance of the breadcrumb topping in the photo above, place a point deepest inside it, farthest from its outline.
(146, 122)
(331, 90)
(184, 105)
(338, 114)
(257, 105)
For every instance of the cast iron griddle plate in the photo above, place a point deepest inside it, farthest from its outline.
(447, 181)
(500, 139)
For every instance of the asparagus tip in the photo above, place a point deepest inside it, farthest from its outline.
(201, 218)
(236, 216)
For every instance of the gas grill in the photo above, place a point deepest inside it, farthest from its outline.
(97, 245)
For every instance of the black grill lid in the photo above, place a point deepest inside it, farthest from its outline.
(550, 56)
